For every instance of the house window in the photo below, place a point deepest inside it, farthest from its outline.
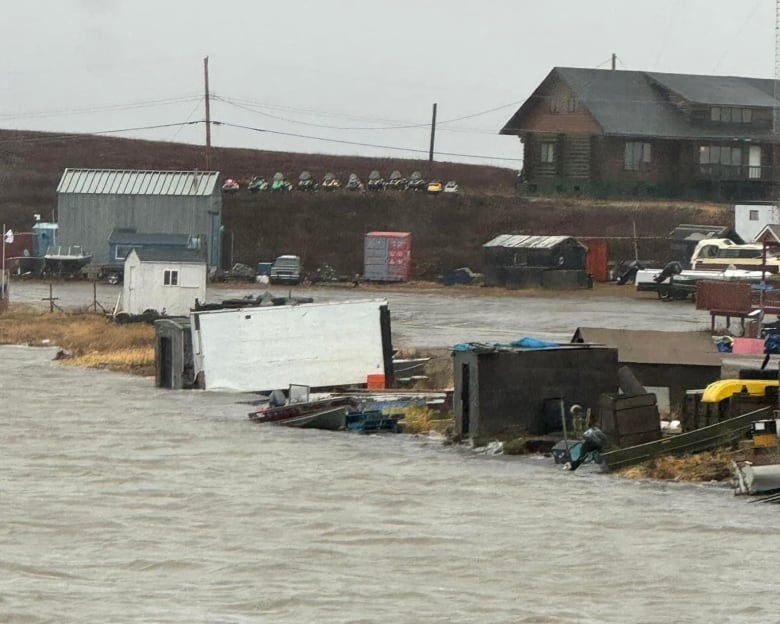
(571, 104)
(548, 153)
(753, 215)
(635, 154)
(720, 155)
(731, 114)
(171, 278)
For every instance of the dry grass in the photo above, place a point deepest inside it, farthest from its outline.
(91, 339)
(698, 467)
(424, 420)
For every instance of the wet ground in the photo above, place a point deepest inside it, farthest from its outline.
(428, 316)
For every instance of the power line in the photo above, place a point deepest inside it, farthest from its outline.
(360, 144)
(98, 109)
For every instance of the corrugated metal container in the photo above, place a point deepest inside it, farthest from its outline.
(596, 260)
(387, 256)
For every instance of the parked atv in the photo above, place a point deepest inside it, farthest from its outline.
(306, 182)
(415, 182)
(434, 187)
(258, 184)
(279, 183)
(330, 182)
(375, 181)
(397, 182)
(451, 187)
(230, 186)
(354, 183)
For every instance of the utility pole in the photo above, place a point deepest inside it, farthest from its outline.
(614, 59)
(433, 133)
(208, 109)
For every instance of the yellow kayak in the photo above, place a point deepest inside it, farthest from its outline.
(724, 388)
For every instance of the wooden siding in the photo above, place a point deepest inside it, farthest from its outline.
(541, 120)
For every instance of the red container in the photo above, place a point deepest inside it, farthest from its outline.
(387, 256)
(596, 261)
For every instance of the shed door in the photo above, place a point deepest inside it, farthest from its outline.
(465, 400)
(131, 290)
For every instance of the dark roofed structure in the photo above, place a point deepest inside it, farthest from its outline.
(678, 361)
(684, 238)
(609, 132)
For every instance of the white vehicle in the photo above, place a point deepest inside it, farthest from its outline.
(721, 253)
(286, 270)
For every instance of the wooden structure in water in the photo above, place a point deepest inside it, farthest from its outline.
(706, 438)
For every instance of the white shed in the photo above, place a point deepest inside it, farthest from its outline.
(164, 279)
(750, 219)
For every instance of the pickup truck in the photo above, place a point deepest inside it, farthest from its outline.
(286, 270)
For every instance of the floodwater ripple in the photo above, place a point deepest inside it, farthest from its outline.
(124, 503)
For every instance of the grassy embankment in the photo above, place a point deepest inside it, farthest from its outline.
(89, 340)
(92, 340)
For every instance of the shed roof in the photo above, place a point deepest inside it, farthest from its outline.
(769, 235)
(527, 242)
(693, 232)
(138, 182)
(636, 103)
(654, 347)
(170, 254)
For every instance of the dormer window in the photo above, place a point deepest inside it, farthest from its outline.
(731, 114)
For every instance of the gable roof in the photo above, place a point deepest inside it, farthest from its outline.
(528, 242)
(170, 254)
(138, 182)
(654, 347)
(635, 103)
(689, 232)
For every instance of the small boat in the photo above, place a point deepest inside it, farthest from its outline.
(329, 414)
(405, 367)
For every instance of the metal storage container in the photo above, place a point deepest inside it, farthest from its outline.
(387, 256)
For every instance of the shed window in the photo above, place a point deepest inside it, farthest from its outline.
(753, 215)
(635, 154)
(548, 153)
(122, 251)
(171, 278)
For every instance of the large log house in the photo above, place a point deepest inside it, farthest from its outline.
(616, 133)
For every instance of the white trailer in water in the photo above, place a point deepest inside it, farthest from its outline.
(314, 344)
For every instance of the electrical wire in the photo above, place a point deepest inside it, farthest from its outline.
(98, 109)
(360, 144)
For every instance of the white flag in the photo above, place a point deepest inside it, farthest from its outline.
(9, 236)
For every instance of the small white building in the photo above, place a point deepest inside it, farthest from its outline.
(167, 280)
(750, 219)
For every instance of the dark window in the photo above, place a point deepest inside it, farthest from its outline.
(548, 153)
(635, 154)
(171, 278)
(731, 114)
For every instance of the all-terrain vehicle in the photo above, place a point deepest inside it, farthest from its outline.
(434, 187)
(375, 181)
(279, 183)
(330, 182)
(257, 184)
(415, 182)
(230, 186)
(397, 182)
(451, 187)
(306, 182)
(354, 183)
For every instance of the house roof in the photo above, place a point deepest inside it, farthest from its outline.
(527, 242)
(138, 182)
(695, 233)
(124, 237)
(770, 234)
(635, 103)
(654, 347)
(171, 254)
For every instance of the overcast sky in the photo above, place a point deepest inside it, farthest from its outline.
(345, 76)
